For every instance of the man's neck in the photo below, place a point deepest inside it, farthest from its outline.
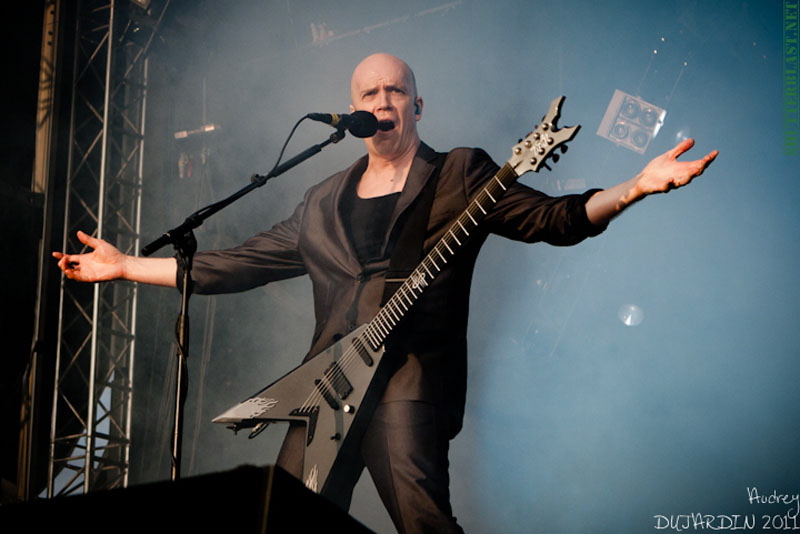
(385, 175)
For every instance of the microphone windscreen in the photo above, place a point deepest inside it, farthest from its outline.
(363, 124)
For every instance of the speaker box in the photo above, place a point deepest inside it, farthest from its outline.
(247, 499)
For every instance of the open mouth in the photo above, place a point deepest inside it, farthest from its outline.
(385, 125)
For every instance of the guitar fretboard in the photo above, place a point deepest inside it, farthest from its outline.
(400, 303)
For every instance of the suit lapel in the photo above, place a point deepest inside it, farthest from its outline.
(347, 252)
(421, 170)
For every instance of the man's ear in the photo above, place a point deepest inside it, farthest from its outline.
(352, 108)
(418, 105)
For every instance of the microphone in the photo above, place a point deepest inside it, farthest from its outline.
(359, 123)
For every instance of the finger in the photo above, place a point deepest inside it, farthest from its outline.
(681, 147)
(88, 240)
(64, 262)
(702, 164)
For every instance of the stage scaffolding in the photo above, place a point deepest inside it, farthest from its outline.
(91, 417)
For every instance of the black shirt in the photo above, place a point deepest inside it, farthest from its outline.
(367, 220)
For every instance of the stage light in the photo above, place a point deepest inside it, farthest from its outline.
(631, 122)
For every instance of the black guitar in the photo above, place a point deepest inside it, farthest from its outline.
(334, 393)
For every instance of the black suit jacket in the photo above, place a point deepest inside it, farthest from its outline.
(429, 349)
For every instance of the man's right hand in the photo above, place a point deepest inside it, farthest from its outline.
(105, 262)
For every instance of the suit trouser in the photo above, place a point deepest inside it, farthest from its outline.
(405, 449)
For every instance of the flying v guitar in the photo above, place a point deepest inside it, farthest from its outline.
(334, 393)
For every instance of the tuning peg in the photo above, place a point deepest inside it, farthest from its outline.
(555, 158)
(564, 149)
(546, 166)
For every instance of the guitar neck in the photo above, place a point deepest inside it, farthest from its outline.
(528, 155)
(400, 303)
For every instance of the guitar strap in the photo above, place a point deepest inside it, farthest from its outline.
(407, 251)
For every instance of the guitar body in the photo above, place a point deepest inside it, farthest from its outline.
(335, 393)
(345, 385)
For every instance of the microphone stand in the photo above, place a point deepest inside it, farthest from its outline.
(185, 244)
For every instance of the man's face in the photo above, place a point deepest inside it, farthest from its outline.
(384, 86)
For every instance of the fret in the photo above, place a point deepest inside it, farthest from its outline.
(408, 288)
(405, 289)
(496, 179)
(381, 329)
(462, 228)
(399, 300)
(373, 342)
(403, 304)
(448, 247)
(399, 305)
(490, 196)
(426, 269)
(479, 205)
(436, 248)
(387, 325)
(454, 237)
(381, 324)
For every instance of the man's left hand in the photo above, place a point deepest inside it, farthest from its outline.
(665, 173)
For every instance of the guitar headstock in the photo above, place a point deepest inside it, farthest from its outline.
(531, 153)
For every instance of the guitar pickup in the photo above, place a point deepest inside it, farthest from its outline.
(363, 352)
(337, 379)
(326, 394)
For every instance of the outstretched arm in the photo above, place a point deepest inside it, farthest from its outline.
(663, 174)
(105, 262)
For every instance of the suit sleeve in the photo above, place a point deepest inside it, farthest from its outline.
(266, 257)
(525, 214)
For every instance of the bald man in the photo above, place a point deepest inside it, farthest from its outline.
(342, 236)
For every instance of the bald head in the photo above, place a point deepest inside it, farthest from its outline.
(376, 64)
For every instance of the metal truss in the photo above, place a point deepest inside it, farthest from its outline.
(91, 418)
